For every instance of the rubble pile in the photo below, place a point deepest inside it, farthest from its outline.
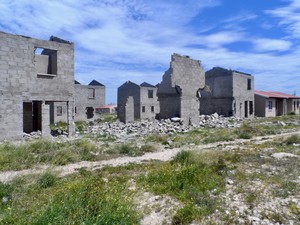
(166, 126)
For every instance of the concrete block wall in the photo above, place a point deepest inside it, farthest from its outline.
(20, 80)
(182, 82)
(242, 95)
(129, 110)
(83, 100)
(145, 104)
(124, 91)
(229, 93)
(151, 104)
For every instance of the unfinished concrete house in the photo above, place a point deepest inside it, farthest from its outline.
(34, 74)
(179, 92)
(87, 99)
(231, 93)
(137, 102)
(272, 103)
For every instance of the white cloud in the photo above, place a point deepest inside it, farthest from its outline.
(266, 44)
(119, 40)
(289, 17)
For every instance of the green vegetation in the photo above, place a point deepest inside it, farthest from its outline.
(41, 151)
(196, 179)
(190, 180)
(46, 180)
(125, 149)
(73, 200)
(108, 118)
(80, 126)
(294, 139)
(59, 125)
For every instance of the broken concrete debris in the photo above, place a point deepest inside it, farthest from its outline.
(164, 126)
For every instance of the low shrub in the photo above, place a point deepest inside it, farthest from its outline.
(294, 139)
(183, 158)
(46, 180)
(125, 149)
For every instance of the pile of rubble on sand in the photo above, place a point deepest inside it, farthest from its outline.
(165, 126)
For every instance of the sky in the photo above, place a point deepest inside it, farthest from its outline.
(120, 40)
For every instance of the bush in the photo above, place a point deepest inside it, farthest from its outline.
(294, 139)
(185, 215)
(125, 149)
(148, 148)
(5, 193)
(46, 180)
(183, 158)
(245, 131)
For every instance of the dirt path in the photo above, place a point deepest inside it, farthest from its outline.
(164, 155)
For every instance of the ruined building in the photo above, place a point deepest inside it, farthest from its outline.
(87, 99)
(231, 93)
(137, 102)
(34, 74)
(179, 92)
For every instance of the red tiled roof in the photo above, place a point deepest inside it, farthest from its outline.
(274, 94)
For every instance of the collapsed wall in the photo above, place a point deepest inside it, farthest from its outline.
(179, 91)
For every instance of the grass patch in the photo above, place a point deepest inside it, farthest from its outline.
(73, 200)
(294, 139)
(108, 118)
(80, 126)
(41, 151)
(190, 180)
(59, 125)
(163, 139)
(125, 149)
(46, 180)
(219, 135)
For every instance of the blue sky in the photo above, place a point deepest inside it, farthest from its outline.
(120, 40)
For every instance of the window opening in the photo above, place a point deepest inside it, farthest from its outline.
(250, 107)
(270, 105)
(91, 93)
(59, 110)
(45, 61)
(150, 93)
(89, 112)
(249, 84)
(246, 109)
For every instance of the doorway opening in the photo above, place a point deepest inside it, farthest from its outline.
(32, 116)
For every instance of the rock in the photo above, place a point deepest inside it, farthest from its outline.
(280, 155)
(175, 119)
(5, 199)
(215, 115)
(230, 182)
(282, 123)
